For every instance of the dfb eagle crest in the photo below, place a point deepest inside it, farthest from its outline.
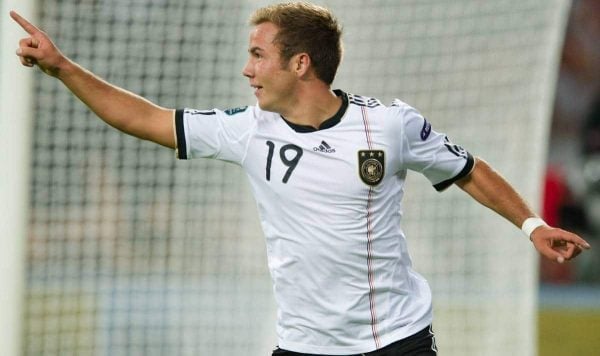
(371, 166)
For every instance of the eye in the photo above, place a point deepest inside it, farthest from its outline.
(255, 53)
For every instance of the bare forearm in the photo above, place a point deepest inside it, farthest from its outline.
(489, 188)
(119, 108)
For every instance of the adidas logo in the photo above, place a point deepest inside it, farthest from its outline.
(324, 147)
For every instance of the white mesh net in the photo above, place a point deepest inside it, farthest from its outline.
(134, 253)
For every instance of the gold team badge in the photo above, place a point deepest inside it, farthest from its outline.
(371, 165)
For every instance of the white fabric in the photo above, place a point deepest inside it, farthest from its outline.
(342, 275)
(531, 224)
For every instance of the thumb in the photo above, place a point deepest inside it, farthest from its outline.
(554, 255)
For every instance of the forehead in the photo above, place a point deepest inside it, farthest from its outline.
(263, 35)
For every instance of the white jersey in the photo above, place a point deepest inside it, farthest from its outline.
(330, 207)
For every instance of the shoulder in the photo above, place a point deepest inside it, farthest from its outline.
(364, 101)
(239, 114)
(397, 103)
(397, 113)
(251, 113)
(397, 107)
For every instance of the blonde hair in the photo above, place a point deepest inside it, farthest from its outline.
(305, 28)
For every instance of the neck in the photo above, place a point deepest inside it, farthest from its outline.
(313, 105)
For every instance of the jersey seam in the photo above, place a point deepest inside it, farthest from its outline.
(219, 141)
(250, 133)
(223, 132)
(404, 137)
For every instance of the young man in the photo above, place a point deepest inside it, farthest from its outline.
(327, 169)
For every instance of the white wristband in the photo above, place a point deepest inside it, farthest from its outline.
(531, 224)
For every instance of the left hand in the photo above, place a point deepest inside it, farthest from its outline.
(557, 244)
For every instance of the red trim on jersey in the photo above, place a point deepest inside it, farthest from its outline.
(371, 274)
(367, 129)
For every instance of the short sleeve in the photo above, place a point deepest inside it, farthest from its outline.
(431, 153)
(217, 134)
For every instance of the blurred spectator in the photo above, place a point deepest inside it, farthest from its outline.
(560, 208)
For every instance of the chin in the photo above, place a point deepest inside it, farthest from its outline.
(265, 106)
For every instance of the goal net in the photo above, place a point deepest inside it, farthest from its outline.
(131, 252)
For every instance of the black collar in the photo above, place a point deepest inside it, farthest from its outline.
(331, 122)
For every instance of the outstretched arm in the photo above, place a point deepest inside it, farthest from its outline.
(119, 108)
(489, 188)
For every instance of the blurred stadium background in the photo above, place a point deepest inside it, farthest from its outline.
(112, 247)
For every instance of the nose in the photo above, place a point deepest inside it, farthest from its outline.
(247, 70)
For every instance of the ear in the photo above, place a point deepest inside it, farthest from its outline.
(301, 64)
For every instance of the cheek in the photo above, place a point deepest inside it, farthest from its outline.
(269, 69)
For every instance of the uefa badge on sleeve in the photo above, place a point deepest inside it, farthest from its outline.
(371, 166)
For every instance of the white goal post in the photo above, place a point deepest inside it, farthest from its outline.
(15, 148)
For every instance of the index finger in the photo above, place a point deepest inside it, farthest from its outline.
(26, 25)
(570, 237)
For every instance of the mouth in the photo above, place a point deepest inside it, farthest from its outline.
(257, 89)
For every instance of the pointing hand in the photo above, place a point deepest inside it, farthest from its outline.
(38, 49)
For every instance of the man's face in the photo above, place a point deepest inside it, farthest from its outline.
(273, 81)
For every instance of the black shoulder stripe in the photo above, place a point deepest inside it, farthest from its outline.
(180, 133)
(463, 173)
(202, 112)
(363, 101)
